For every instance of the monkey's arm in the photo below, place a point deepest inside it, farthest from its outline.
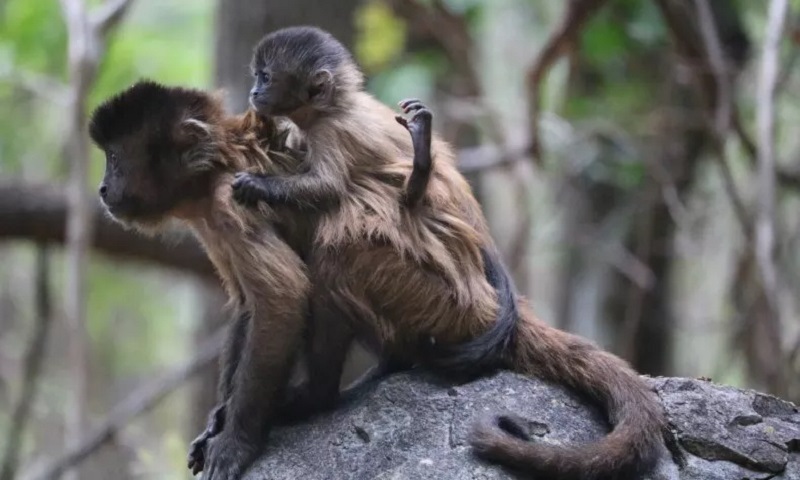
(237, 333)
(420, 126)
(277, 291)
(318, 189)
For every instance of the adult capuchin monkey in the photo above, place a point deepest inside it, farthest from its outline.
(171, 155)
(403, 276)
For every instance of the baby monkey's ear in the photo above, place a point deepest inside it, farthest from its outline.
(321, 87)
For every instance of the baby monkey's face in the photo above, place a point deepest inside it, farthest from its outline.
(293, 71)
(277, 93)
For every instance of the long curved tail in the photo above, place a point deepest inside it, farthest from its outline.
(630, 449)
(490, 350)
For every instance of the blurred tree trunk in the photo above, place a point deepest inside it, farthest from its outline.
(239, 26)
(638, 314)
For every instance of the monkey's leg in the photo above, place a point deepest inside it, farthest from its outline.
(330, 338)
(277, 295)
(216, 420)
(420, 126)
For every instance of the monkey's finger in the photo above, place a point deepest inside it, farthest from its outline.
(401, 120)
(413, 107)
(239, 178)
(407, 101)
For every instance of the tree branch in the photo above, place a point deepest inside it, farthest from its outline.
(767, 81)
(106, 17)
(140, 401)
(578, 13)
(38, 213)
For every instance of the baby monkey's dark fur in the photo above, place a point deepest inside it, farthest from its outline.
(398, 275)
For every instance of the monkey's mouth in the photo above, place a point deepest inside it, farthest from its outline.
(261, 106)
(127, 214)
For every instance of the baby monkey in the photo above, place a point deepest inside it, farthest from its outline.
(400, 276)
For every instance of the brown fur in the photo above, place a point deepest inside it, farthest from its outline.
(399, 275)
(197, 148)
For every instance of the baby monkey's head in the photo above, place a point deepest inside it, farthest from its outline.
(298, 68)
(160, 150)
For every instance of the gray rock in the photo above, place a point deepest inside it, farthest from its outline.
(411, 426)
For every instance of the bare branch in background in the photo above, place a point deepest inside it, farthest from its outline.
(713, 78)
(138, 402)
(86, 42)
(719, 67)
(723, 109)
(82, 63)
(765, 97)
(452, 33)
(32, 369)
(577, 15)
(106, 17)
(38, 212)
(487, 158)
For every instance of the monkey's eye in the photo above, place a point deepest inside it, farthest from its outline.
(111, 157)
(264, 77)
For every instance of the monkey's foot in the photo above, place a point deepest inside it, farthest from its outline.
(420, 124)
(229, 457)
(198, 447)
(249, 188)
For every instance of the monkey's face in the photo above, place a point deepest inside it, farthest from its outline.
(159, 152)
(293, 71)
(142, 181)
(277, 93)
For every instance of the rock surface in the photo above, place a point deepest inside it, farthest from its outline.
(411, 426)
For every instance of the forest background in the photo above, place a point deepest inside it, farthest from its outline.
(638, 162)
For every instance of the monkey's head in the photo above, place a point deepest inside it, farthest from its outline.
(301, 67)
(159, 147)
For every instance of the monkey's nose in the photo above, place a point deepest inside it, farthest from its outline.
(103, 190)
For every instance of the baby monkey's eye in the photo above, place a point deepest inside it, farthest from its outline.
(264, 77)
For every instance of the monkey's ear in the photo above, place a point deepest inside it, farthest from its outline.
(192, 131)
(195, 128)
(321, 87)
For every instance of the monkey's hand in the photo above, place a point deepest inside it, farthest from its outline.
(197, 450)
(420, 125)
(250, 188)
(229, 456)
